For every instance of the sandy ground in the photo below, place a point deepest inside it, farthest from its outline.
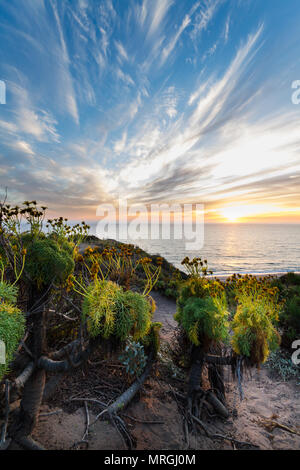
(266, 398)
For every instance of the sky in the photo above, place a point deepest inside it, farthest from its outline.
(152, 101)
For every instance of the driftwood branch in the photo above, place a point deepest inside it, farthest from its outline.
(124, 399)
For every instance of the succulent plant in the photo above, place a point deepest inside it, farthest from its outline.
(134, 358)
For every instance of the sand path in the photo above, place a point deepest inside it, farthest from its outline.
(266, 397)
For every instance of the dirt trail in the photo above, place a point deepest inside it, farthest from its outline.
(265, 397)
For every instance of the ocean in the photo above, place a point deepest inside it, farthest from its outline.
(234, 248)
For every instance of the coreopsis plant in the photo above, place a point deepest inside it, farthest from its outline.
(39, 262)
(111, 311)
(110, 308)
(202, 311)
(196, 267)
(119, 264)
(257, 314)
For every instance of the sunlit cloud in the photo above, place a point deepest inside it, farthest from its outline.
(151, 100)
(157, 11)
(24, 147)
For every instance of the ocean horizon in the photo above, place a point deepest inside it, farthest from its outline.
(231, 248)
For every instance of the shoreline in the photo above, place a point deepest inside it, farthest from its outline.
(222, 276)
(273, 274)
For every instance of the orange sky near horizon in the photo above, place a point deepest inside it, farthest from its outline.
(228, 215)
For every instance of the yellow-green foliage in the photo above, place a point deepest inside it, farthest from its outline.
(48, 262)
(8, 293)
(12, 327)
(194, 287)
(202, 311)
(110, 311)
(254, 332)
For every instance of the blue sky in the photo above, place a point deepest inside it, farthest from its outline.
(153, 101)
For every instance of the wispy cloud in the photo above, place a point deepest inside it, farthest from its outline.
(226, 31)
(204, 16)
(158, 11)
(169, 48)
(157, 100)
(121, 50)
(120, 144)
(24, 147)
(125, 77)
(70, 99)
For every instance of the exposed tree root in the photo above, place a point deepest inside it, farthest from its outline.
(219, 436)
(117, 406)
(86, 432)
(29, 444)
(141, 421)
(129, 394)
(217, 404)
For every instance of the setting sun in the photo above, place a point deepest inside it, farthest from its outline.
(236, 213)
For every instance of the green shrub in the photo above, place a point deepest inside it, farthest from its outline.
(12, 327)
(194, 287)
(257, 314)
(290, 319)
(46, 262)
(202, 311)
(8, 293)
(290, 279)
(203, 320)
(169, 288)
(110, 311)
(254, 334)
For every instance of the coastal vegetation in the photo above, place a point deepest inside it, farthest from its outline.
(66, 297)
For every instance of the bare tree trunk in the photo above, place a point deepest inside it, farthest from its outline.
(215, 374)
(195, 380)
(34, 387)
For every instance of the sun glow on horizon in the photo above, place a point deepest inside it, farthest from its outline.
(234, 214)
(245, 213)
